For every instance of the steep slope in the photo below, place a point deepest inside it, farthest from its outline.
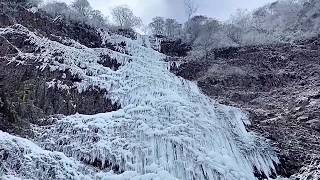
(279, 86)
(159, 126)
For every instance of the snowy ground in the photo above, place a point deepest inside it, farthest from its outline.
(166, 128)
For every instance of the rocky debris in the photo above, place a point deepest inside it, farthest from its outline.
(279, 85)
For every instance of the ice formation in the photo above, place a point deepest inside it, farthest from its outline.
(166, 128)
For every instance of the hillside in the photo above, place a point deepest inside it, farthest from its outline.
(80, 103)
(288, 20)
(279, 86)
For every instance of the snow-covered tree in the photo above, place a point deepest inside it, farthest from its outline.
(158, 26)
(208, 36)
(57, 9)
(82, 7)
(193, 27)
(242, 19)
(233, 32)
(79, 11)
(125, 18)
(97, 19)
(172, 28)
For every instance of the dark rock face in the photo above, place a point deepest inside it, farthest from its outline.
(175, 48)
(28, 95)
(5, 20)
(6, 48)
(279, 85)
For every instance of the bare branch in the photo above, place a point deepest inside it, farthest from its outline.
(191, 8)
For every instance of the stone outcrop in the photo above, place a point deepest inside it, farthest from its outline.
(27, 95)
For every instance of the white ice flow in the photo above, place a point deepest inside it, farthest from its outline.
(166, 128)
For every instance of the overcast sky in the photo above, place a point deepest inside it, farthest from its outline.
(147, 9)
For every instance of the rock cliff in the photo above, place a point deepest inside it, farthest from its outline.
(280, 88)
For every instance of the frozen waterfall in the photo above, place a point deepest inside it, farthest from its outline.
(166, 128)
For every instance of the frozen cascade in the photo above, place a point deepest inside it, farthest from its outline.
(166, 128)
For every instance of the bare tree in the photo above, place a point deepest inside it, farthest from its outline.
(191, 8)
(178, 30)
(125, 18)
(82, 7)
(193, 27)
(97, 19)
(56, 9)
(242, 19)
(170, 27)
(158, 26)
(209, 36)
